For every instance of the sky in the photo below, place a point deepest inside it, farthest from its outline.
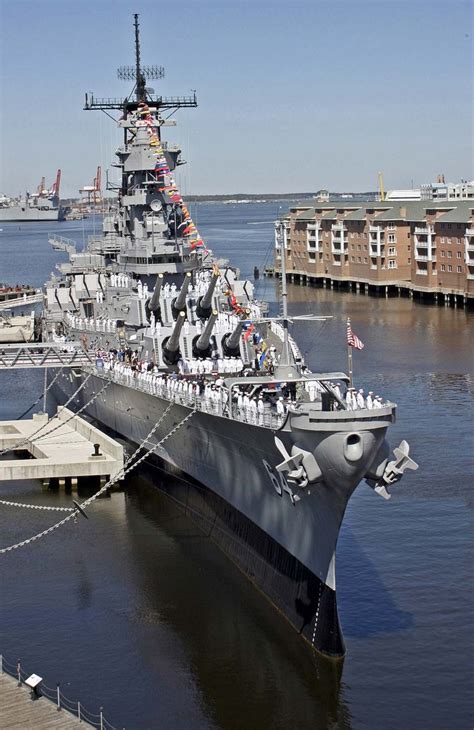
(294, 95)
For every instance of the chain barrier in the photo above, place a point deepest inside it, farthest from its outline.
(57, 696)
(126, 469)
(36, 506)
(41, 428)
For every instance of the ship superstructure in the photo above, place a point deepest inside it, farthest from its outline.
(42, 205)
(275, 449)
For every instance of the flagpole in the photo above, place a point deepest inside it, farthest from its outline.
(349, 364)
(349, 350)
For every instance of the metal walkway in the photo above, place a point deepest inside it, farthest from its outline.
(44, 355)
(21, 301)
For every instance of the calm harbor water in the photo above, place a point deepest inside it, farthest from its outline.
(139, 612)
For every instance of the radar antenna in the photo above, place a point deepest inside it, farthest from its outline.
(139, 73)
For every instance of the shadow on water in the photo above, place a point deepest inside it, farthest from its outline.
(372, 608)
(251, 667)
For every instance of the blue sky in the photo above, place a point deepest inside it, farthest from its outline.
(293, 96)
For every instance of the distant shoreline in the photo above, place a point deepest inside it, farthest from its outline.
(239, 198)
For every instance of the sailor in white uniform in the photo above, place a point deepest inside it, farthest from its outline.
(360, 399)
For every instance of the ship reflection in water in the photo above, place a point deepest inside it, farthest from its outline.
(248, 670)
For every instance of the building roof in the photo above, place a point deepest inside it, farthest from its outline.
(460, 213)
(457, 211)
(306, 215)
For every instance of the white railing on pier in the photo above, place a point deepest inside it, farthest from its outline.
(57, 697)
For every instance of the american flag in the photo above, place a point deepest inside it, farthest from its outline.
(352, 339)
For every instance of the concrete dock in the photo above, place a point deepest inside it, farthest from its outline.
(58, 448)
(18, 710)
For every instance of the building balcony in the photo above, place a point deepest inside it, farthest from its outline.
(469, 231)
(377, 250)
(424, 258)
(422, 272)
(424, 230)
(469, 246)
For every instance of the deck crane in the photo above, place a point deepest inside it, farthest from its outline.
(93, 191)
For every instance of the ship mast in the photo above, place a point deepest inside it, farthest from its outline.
(139, 78)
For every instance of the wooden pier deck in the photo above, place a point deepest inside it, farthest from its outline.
(18, 710)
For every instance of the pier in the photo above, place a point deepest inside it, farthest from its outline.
(19, 710)
(44, 355)
(60, 448)
(27, 703)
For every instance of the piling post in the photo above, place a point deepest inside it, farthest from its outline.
(58, 698)
(1, 663)
(101, 718)
(18, 671)
(79, 711)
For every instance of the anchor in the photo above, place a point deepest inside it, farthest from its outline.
(393, 470)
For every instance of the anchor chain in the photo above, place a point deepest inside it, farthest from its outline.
(36, 506)
(35, 434)
(126, 469)
(42, 394)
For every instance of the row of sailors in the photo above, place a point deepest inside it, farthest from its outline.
(356, 400)
(89, 323)
(202, 366)
(120, 280)
(224, 323)
(212, 397)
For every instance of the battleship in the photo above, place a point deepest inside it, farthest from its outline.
(42, 205)
(271, 451)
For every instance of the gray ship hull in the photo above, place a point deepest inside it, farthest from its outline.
(287, 549)
(28, 214)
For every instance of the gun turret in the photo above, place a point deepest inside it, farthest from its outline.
(204, 308)
(201, 346)
(179, 304)
(231, 341)
(171, 345)
(154, 303)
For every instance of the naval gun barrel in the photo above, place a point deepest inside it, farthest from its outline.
(171, 345)
(231, 342)
(201, 346)
(179, 304)
(203, 308)
(154, 304)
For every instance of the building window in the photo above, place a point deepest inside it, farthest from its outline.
(459, 269)
(358, 246)
(392, 238)
(409, 260)
(353, 258)
(312, 256)
(450, 254)
(359, 260)
(459, 254)
(392, 264)
(392, 251)
(450, 268)
(443, 267)
(365, 259)
(408, 247)
(443, 239)
(443, 254)
(455, 240)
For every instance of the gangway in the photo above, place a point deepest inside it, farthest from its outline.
(45, 355)
(22, 301)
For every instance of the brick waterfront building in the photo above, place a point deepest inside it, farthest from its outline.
(424, 247)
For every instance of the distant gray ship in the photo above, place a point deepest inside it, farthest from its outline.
(43, 205)
(274, 449)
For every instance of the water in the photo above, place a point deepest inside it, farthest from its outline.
(141, 613)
